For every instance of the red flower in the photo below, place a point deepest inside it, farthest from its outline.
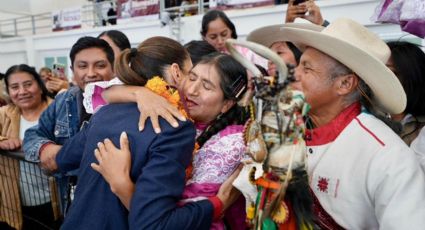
(322, 184)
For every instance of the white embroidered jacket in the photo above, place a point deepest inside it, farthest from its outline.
(364, 175)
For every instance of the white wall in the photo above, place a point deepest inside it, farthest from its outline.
(14, 8)
(43, 6)
(33, 49)
(18, 8)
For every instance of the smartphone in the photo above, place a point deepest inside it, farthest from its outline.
(59, 70)
(296, 2)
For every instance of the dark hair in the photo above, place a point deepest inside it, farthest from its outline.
(118, 37)
(137, 66)
(31, 71)
(198, 49)
(91, 42)
(409, 63)
(233, 83)
(213, 15)
(297, 53)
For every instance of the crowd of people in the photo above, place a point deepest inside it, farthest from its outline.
(152, 137)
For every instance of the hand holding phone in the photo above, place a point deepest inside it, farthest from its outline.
(296, 2)
(295, 10)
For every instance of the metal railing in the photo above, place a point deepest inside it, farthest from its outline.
(28, 198)
(25, 25)
(172, 15)
(93, 15)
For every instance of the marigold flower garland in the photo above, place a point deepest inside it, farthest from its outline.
(160, 87)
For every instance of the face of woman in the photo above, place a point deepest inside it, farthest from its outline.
(45, 75)
(217, 34)
(24, 91)
(184, 74)
(390, 65)
(282, 49)
(284, 52)
(204, 96)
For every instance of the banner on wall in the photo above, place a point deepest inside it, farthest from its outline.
(137, 10)
(230, 4)
(66, 19)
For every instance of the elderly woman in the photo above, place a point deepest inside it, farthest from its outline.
(29, 99)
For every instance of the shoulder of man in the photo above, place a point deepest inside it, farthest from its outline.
(70, 93)
(378, 131)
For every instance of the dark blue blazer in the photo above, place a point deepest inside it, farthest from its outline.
(158, 169)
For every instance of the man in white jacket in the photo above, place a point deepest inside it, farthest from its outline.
(362, 174)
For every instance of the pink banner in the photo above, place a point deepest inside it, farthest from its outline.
(231, 4)
(136, 8)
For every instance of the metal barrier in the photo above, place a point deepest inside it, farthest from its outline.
(28, 198)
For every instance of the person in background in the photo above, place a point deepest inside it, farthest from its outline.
(307, 10)
(217, 28)
(45, 73)
(29, 98)
(198, 49)
(188, 11)
(55, 81)
(407, 62)
(92, 60)
(112, 14)
(362, 175)
(271, 36)
(117, 40)
(3, 94)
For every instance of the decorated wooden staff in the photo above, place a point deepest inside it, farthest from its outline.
(274, 182)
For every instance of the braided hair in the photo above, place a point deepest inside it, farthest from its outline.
(233, 83)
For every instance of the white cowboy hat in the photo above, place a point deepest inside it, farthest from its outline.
(360, 50)
(268, 35)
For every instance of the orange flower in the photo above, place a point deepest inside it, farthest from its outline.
(160, 87)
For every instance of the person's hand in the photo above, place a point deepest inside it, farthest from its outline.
(55, 84)
(114, 165)
(295, 11)
(227, 193)
(48, 157)
(154, 106)
(314, 15)
(11, 144)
